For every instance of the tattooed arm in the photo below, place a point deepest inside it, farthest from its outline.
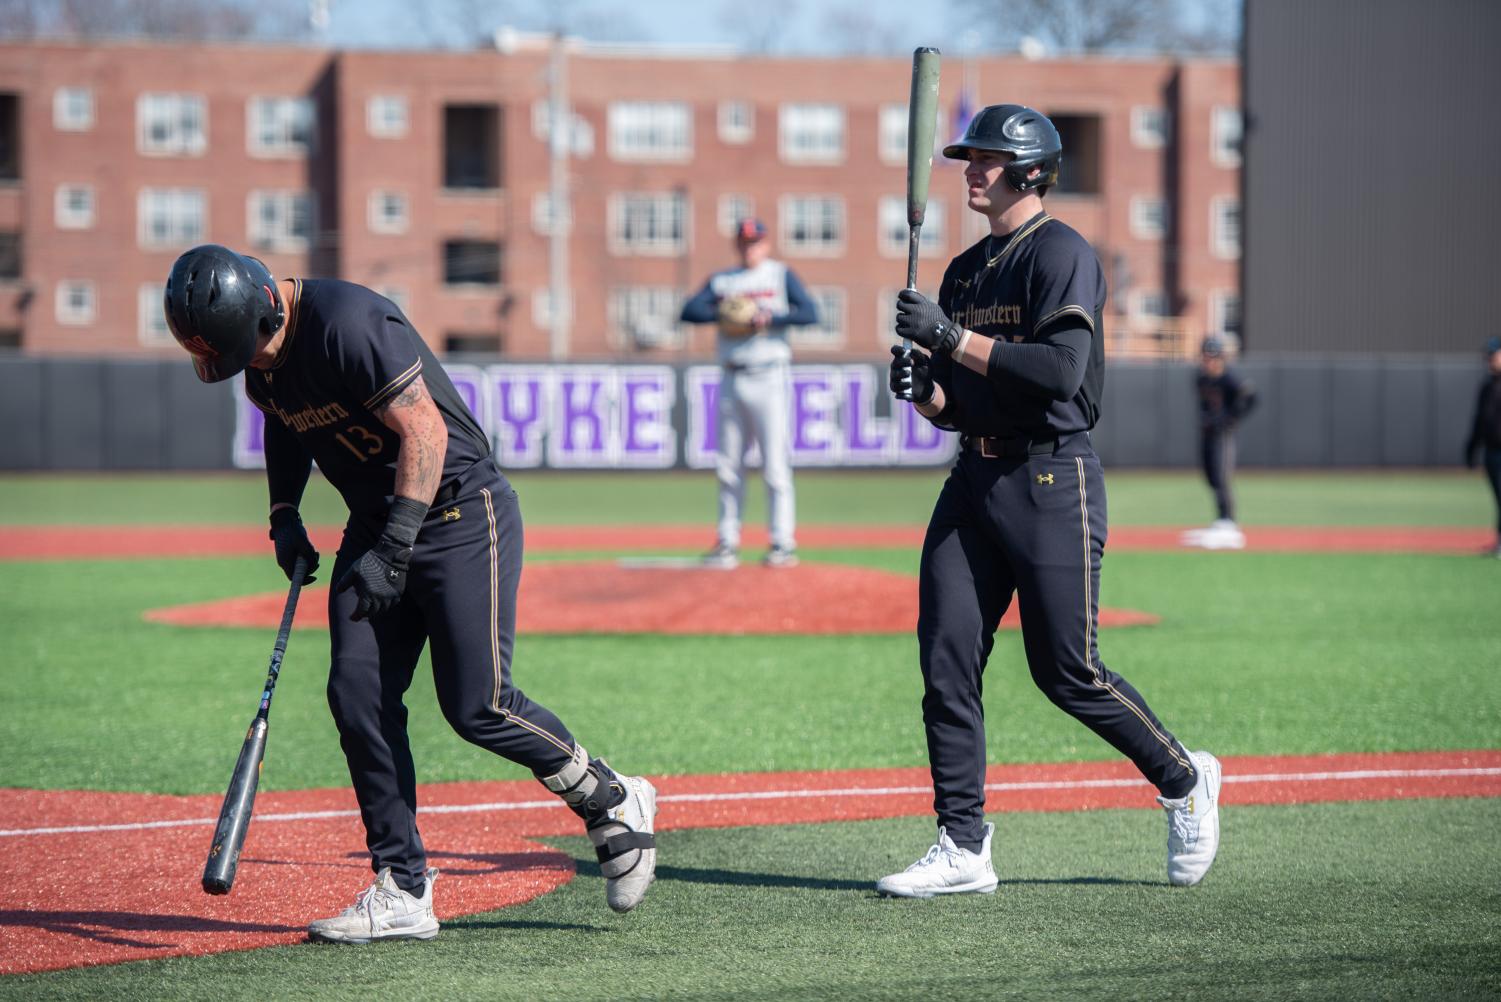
(414, 416)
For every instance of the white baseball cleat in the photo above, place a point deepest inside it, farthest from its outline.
(1193, 824)
(1224, 534)
(780, 556)
(382, 911)
(946, 869)
(625, 844)
(723, 557)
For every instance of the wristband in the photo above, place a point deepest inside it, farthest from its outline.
(958, 353)
(405, 520)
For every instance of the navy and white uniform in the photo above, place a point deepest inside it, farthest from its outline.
(1223, 401)
(1022, 514)
(347, 352)
(753, 392)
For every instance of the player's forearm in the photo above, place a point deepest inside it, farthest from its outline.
(1052, 368)
(288, 465)
(934, 405)
(414, 417)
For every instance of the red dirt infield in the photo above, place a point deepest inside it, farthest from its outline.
(602, 597)
(99, 878)
(91, 542)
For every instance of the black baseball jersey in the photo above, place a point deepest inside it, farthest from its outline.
(1041, 278)
(1224, 399)
(1485, 430)
(348, 352)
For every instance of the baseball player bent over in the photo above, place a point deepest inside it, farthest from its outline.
(753, 306)
(1013, 359)
(431, 555)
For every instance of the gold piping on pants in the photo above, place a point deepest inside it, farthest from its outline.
(1089, 615)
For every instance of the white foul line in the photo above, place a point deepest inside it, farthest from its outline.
(864, 791)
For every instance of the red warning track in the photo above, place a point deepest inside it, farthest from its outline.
(305, 857)
(100, 542)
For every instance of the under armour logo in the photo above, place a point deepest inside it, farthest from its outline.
(1044, 478)
(451, 514)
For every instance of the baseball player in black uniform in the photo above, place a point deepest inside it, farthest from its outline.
(1484, 442)
(431, 554)
(1013, 359)
(1225, 397)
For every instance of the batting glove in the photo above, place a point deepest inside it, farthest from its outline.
(919, 320)
(380, 575)
(911, 376)
(291, 542)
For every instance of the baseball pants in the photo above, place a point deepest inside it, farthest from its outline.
(1033, 526)
(1493, 474)
(1217, 453)
(461, 598)
(753, 406)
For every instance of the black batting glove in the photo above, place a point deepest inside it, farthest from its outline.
(919, 320)
(291, 542)
(380, 575)
(911, 376)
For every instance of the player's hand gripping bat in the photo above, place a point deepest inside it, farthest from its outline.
(234, 816)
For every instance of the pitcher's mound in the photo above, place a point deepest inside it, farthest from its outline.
(602, 597)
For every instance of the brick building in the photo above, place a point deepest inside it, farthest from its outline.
(426, 175)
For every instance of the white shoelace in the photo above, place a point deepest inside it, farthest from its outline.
(934, 855)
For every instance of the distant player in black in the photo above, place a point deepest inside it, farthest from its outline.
(431, 555)
(1014, 360)
(1225, 397)
(1484, 443)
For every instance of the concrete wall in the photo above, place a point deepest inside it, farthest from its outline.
(66, 414)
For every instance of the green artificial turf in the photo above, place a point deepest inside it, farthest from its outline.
(1334, 901)
(1382, 497)
(1255, 654)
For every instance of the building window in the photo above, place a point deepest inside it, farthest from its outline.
(811, 133)
(151, 318)
(893, 133)
(280, 220)
(737, 122)
(471, 146)
(73, 109)
(829, 331)
(472, 343)
(172, 125)
(399, 297)
(1224, 226)
(542, 215)
(1150, 127)
(73, 207)
(1150, 304)
(170, 217)
(894, 230)
(1080, 172)
(650, 130)
(10, 339)
(1225, 130)
(886, 318)
(580, 132)
(280, 126)
(471, 262)
(645, 317)
(75, 302)
(1224, 313)
(10, 137)
(386, 116)
(812, 225)
(10, 256)
(732, 209)
(653, 223)
(1148, 217)
(389, 212)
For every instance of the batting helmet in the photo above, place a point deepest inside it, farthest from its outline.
(1214, 346)
(1020, 131)
(218, 304)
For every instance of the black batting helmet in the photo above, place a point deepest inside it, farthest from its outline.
(1018, 130)
(218, 303)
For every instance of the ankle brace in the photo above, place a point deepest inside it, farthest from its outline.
(589, 787)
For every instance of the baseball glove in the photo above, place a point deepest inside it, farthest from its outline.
(737, 316)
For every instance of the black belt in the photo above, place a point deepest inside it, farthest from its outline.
(446, 493)
(1005, 448)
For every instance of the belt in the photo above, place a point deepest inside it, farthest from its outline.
(446, 493)
(1003, 448)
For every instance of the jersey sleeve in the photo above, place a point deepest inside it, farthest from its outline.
(1066, 285)
(377, 359)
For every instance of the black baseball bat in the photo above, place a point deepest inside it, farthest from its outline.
(239, 800)
(922, 114)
